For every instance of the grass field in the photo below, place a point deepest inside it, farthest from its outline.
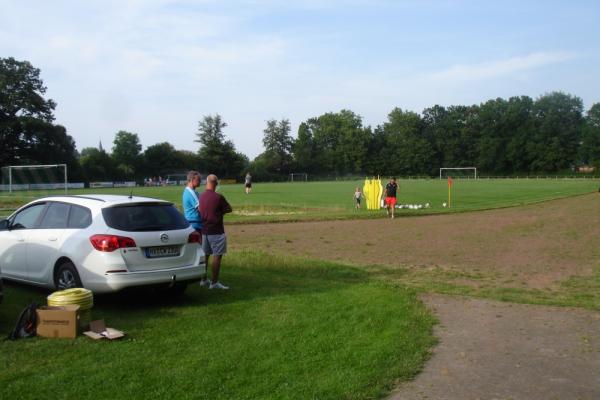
(290, 328)
(333, 200)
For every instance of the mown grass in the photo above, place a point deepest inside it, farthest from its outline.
(577, 291)
(270, 202)
(288, 329)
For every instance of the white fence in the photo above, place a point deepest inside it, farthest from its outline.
(42, 186)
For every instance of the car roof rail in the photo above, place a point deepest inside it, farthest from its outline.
(77, 196)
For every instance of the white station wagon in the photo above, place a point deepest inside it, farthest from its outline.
(104, 243)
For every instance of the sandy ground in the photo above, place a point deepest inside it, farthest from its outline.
(487, 349)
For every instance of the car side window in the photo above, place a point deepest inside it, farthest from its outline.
(79, 217)
(26, 219)
(56, 216)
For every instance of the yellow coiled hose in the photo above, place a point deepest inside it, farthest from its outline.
(81, 297)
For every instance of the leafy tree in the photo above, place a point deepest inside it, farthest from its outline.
(262, 169)
(433, 131)
(376, 162)
(22, 104)
(188, 160)
(97, 165)
(519, 131)
(218, 155)
(303, 149)
(126, 152)
(558, 123)
(339, 141)
(278, 146)
(589, 152)
(22, 90)
(210, 132)
(162, 158)
(406, 150)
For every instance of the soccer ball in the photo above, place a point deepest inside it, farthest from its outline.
(443, 204)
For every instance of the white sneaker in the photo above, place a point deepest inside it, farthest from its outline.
(218, 285)
(204, 282)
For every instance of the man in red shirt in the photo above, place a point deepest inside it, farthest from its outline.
(214, 242)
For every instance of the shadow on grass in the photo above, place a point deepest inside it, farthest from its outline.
(252, 276)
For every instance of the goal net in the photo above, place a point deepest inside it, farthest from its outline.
(298, 177)
(459, 172)
(34, 177)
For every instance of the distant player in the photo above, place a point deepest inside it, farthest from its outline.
(248, 183)
(358, 195)
(390, 196)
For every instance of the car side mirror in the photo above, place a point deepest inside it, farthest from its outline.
(4, 225)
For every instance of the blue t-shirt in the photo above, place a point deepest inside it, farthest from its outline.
(191, 200)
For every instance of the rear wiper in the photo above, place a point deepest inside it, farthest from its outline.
(151, 228)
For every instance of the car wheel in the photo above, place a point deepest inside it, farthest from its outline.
(67, 277)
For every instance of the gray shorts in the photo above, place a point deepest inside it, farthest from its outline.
(214, 244)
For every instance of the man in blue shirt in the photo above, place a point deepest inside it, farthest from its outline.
(191, 206)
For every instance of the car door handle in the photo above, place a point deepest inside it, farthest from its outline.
(20, 240)
(52, 239)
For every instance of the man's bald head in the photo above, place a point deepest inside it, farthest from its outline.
(212, 181)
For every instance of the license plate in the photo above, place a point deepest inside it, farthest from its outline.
(162, 251)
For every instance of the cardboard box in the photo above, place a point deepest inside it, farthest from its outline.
(58, 322)
(98, 330)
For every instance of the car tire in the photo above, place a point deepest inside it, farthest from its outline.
(67, 277)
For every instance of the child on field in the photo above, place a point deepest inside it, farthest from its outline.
(357, 196)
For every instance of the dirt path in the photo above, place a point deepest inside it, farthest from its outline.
(535, 246)
(488, 349)
(493, 350)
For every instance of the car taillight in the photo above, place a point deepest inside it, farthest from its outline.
(111, 242)
(195, 237)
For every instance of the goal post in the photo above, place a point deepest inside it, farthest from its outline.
(298, 177)
(26, 177)
(461, 169)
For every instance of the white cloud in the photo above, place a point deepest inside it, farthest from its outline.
(493, 69)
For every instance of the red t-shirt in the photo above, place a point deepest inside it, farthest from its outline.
(212, 208)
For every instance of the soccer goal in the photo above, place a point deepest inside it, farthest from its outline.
(459, 172)
(298, 177)
(34, 177)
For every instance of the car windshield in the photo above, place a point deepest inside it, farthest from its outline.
(144, 217)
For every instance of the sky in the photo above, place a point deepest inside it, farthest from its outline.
(157, 67)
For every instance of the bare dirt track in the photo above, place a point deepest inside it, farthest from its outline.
(494, 350)
(487, 349)
(535, 246)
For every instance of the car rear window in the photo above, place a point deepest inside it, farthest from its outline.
(144, 217)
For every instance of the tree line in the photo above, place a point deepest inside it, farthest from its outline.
(519, 135)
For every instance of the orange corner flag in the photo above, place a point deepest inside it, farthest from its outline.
(449, 181)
